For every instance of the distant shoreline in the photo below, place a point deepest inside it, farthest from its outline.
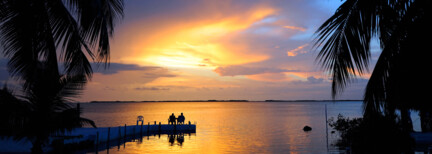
(225, 101)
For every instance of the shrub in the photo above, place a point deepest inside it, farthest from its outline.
(378, 134)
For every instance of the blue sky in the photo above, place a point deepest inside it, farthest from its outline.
(240, 49)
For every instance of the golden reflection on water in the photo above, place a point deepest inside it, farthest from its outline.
(224, 127)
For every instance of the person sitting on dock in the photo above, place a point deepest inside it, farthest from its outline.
(172, 119)
(180, 119)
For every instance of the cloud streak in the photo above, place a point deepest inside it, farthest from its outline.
(244, 70)
(298, 50)
(295, 28)
(152, 88)
(240, 49)
(114, 68)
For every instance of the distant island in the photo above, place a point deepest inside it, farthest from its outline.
(213, 100)
(340, 100)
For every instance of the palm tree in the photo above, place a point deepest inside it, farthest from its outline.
(37, 35)
(397, 80)
(52, 31)
(42, 111)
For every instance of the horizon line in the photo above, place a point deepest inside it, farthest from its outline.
(214, 100)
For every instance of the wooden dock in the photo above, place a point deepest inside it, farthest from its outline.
(100, 138)
(112, 134)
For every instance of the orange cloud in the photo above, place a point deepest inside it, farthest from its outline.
(295, 28)
(296, 51)
(269, 77)
(195, 44)
(244, 70)
(285, 76)
(191, 82)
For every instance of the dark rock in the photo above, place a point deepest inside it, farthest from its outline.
(307, 128)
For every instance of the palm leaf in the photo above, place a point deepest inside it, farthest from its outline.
(389, 88)
(67, 34)
(14, 114)
(344, 40)
(17, 36)
(97, 20)
(70, 87)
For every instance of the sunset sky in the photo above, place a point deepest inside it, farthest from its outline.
(199, 50)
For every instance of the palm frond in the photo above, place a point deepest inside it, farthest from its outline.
(390, 86)
(31, 34)
(377, 87)
(97, 19)
(18, 31)
(14, 114)
(344, 40)
(67, 32)
(27, 39)
(69, 119)
(85, 121)
(70, 87)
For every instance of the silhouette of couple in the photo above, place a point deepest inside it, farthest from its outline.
(172, 119)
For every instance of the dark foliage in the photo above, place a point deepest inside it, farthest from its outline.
(34, 31)
(42, 111)
(372, 135)
(37, 35)
(403, 30)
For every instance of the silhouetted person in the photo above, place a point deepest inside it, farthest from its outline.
(172, 119)
(181, 119)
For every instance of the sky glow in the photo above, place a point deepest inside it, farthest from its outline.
(200, 50)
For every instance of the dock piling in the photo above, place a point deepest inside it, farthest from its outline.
(148, 129)
(125, 135)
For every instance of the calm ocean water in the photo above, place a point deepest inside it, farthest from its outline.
(228, 127)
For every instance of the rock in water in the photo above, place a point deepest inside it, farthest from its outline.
(307, 128)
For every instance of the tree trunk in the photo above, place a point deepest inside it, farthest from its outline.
(406, 120)
(426, 121)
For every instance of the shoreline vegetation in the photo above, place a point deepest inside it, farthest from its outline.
(223, 101)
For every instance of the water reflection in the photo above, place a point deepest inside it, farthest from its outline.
(172, 138)
(229, 127)
(141, 144)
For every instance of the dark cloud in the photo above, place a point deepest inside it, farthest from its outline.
(314, 80)
(114, 68)
(244, 70)
(152, 88)
(360, 81)
(310, 80)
